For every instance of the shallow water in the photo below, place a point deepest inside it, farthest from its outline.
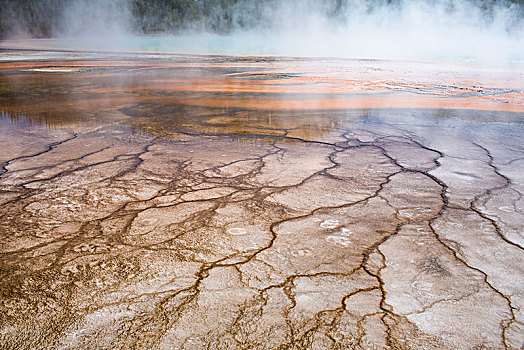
(177, 201)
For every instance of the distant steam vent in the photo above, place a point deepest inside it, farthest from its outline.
(429, 29)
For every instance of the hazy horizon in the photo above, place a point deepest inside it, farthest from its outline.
(405, 29)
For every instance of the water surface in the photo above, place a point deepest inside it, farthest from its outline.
(188, 202)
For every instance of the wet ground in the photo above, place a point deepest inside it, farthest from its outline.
(201, 202)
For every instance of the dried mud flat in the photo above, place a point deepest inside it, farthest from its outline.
(229, 203)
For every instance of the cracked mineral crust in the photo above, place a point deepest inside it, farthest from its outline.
(180, 203)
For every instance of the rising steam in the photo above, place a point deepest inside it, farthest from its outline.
(479, 31)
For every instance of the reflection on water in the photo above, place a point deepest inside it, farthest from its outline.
(247, 96)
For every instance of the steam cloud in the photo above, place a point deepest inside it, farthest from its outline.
(480, 31)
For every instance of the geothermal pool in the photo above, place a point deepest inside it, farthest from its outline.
(211, 202)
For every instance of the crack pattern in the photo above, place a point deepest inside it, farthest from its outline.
(261, 234)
